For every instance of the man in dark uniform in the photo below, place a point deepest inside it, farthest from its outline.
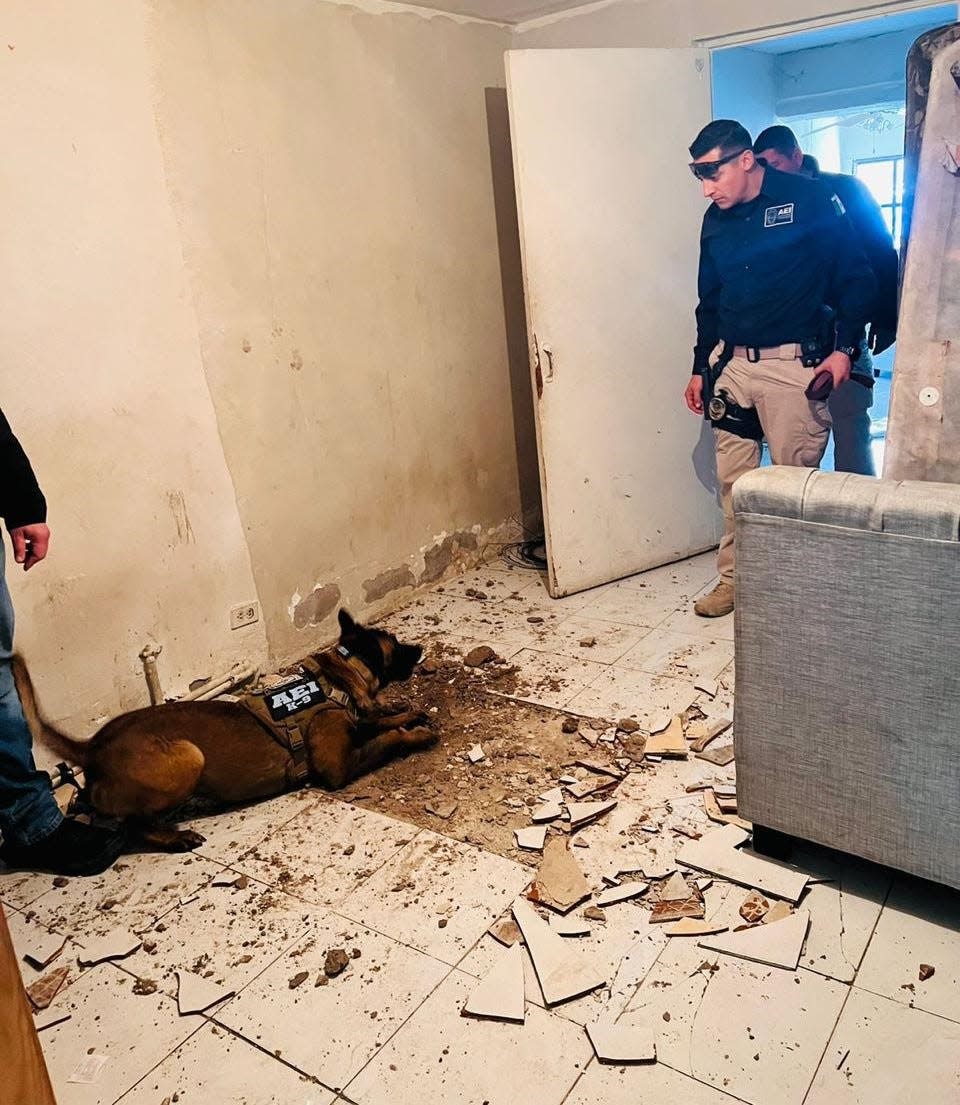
(775, 250)
(35, 834)
(849, 406)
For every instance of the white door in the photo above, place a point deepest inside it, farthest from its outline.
(610, 224)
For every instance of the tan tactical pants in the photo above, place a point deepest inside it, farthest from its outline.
(795, 428)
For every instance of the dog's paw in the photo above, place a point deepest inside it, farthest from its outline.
(418, 721)
(421, 737)
(186, 840)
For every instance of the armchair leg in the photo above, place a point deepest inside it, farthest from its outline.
(772, 842)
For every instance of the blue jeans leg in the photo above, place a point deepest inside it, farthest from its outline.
(28, 811)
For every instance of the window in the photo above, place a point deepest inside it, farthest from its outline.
(883, 176)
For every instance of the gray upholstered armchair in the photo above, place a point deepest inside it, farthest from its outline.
(847, 715)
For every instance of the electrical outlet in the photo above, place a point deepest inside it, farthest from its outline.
(245, 613)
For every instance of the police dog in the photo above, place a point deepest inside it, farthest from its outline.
(147, 762)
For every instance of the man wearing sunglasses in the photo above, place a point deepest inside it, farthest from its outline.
(777, 147)
(784, 293)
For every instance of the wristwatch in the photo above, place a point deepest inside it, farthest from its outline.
(852, 351)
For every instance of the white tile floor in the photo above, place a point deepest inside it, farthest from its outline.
(852, 1026)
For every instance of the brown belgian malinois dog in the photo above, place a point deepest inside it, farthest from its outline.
(147, 762)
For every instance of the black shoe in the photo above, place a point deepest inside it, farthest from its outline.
(73, 848)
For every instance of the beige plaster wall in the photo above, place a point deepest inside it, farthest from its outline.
(331, 173)
(101, 374)
(253, 324)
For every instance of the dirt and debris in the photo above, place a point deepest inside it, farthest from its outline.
(144, 986)
(298, 979)
(570, 725)
(477, 657)
(526, 754)
(336, 962)
(926, 971)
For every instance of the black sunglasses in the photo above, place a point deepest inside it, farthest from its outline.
(709, 170)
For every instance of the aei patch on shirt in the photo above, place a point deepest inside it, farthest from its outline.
(283, 702)
(781, 215)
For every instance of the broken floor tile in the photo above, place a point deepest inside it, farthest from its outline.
(505, 931)
(113, 945)
(443, 810)
(46, 988)
(776, 945)
(689, 926)
(675, 889)
(532, 838)
(719, 853)
(620, 1043)
(198, 995)
(570, 925)
(564, 972)
(228, 938)
(622, 893)
(549, 811)
(560, 882)
(500, 993)
(779, 911)
(675, 911)
(581, 813)
(721, 756)
(754, 907)
(670, 742)
(37, 945)
(713, 810)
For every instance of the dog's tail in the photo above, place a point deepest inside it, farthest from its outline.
(74, 751)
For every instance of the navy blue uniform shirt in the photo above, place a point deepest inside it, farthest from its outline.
(769, 266)
(865, 215)
(21, 500)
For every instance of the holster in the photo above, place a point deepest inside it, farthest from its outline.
(720, 410)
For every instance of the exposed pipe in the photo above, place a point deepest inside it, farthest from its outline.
(148, 656)
(237, 674)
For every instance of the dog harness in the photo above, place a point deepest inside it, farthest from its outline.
(286, 711)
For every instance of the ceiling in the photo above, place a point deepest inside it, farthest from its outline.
(919, 19)
(502, 11)
(519, 11)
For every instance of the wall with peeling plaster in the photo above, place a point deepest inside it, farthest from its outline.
(330, 171)
(101, 374)
(254, 328)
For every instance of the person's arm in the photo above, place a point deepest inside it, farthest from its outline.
(22, 505)
(868, 222)
(708, 319)
(708, 292)
(853, 286)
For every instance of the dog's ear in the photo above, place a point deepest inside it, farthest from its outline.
(348, 627)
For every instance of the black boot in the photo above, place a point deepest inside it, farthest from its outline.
(73, 848)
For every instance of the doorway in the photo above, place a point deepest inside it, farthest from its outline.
(841, 89)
